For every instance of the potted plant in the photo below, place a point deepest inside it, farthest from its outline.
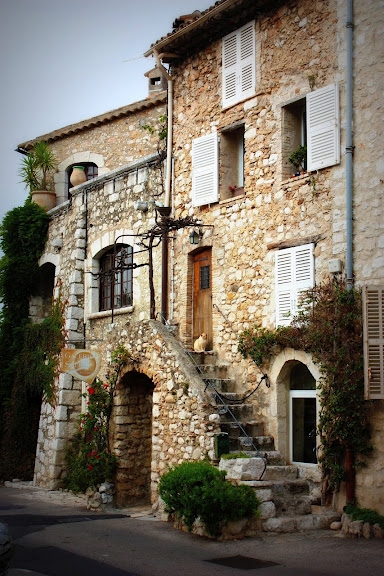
(298, 158)
(35, 171)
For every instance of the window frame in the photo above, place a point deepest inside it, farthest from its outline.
(231, 161)
(110, 291)
(317, 119)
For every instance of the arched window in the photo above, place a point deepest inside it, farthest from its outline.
(116, 277)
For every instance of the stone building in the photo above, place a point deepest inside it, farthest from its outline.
(248, 83)
(252, 81)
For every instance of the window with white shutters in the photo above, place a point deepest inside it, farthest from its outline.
(239, 65)
(205, 170)
(294, 273)
(312, 122)
(373, 312)
(323, 145)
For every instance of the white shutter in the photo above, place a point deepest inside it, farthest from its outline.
(205, 170)
(239, 65)
(373, 310)
(323, 131)
(295, 273)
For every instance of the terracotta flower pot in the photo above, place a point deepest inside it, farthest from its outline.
(44, 198)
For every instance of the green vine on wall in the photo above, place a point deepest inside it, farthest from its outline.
(38, 360)
(89, 459)
(329, 327)
(23, 234)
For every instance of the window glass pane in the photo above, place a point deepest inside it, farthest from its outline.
(204, 277)
(116, 278)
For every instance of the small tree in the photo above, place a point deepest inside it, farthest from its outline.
(36, 167)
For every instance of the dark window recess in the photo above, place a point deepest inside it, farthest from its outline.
(116, 278)
(204, 277)
(232, 163)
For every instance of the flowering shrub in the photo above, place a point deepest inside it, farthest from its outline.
(89, 459)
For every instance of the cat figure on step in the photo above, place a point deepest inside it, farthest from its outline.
(200, 343)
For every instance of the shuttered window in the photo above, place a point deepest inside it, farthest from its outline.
(373, 308)
(205, 189)
(239, 65)
(294, 273)
(323, 142)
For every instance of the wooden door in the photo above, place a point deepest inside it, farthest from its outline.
(202, 295)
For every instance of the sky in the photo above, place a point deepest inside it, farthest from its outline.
(65, 61)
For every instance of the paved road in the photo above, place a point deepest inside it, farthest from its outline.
(55, 535)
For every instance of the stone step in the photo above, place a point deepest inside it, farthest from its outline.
(274, 458)
(242, 412)
(233, 430)
(280, 472)
(208, 357)
(222, 385)
(241, 442)
(217, 370)
(299, 523)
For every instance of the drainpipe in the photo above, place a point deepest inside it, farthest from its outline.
(349, 146)
(349, 457)
(167, 199)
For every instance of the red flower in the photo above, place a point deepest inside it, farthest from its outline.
(90, 467)
(96, 429)
(91, 391)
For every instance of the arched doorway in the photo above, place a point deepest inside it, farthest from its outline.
(131, 438)
(302, 415)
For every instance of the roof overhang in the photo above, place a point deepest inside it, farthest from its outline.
(214, 23)
(152, 102)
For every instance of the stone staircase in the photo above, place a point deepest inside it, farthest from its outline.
(289, 495)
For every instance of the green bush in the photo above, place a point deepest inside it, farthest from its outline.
(364, 514)
(199, 490)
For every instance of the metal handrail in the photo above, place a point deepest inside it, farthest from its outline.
(220, 398)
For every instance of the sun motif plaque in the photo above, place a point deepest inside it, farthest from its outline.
(81, 364)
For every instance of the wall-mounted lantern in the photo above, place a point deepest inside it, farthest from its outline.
(195, 237)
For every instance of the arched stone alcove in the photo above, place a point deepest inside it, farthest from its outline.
(280, 378)
(131, 438)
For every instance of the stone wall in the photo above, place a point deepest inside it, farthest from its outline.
(300, 48)
(79, 231)
(161, 416)
(295, 50)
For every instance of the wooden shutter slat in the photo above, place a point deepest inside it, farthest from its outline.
(295, 273)
(239, 65)
(373, 315)
(323, 140)
(205, 170)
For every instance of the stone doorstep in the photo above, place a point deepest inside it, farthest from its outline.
(280, 472)
(284, 524)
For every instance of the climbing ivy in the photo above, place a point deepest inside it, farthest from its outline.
(23, 235)
(329, 327)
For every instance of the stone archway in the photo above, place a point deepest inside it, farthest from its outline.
(131, 438)
(280, 393)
